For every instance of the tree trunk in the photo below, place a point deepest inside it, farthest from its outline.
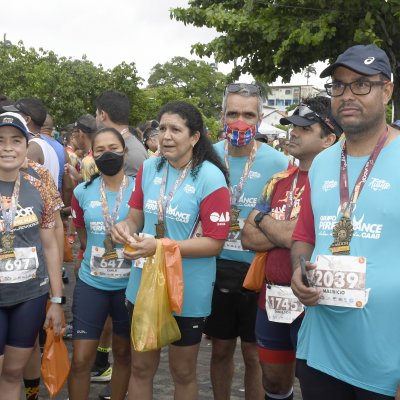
(396, 97)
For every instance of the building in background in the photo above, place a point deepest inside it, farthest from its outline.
(281, 97)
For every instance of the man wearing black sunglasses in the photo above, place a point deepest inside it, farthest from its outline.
(348, 344)
(250, 164)
(269, 228)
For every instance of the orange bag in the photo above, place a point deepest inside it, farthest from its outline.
(255, 276)
(68, 256)
(55, 362)
(173, 270)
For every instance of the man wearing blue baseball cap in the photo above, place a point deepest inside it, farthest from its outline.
(348, 344)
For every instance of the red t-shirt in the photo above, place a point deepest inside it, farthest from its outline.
(278, 267)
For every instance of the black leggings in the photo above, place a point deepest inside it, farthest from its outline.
(316, 385)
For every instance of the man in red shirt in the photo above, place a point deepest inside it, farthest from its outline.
(269, 228)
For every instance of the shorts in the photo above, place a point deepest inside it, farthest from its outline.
(191, 328)
(232, 315)
(276, 342)
(20, 324)
(90, 309)
(316, 385)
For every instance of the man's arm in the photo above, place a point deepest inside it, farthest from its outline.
(67, 183)
(35, 153)
(253, 238)
(278, 232)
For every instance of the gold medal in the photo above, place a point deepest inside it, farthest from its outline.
(234, 216)
(7, 246)
(160, 230)
(342, 233)
(109, 249)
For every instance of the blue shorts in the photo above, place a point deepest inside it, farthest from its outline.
(20, 324)
(90, 309)
(276, 342)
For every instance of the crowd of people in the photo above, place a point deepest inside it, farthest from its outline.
(317, 212)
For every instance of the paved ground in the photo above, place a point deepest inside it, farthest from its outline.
(163, 389)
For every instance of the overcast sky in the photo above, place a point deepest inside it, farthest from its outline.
(109, 32)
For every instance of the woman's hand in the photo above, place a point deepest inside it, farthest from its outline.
(54, 318)
(120, 233)
(142, 247)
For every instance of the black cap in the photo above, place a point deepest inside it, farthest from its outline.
(366, 60)
(31, 107)
(15, 120)
(297, 120)
(261, 138)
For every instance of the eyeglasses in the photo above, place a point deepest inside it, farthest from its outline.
(304, 111)
(360, 87)
(237, 87)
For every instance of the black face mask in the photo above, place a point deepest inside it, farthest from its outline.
(110, 163)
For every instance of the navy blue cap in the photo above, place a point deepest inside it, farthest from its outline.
(15, 120)
(364, 59)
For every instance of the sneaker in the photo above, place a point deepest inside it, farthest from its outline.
(101, 374)
(71, 239)
(105, 393)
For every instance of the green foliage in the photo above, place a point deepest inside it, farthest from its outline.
(271, 39)
(195, 81)
(67, 87)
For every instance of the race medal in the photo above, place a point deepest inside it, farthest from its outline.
(234, 217)
(109, 250)
(7, 246)
(342, 233)
(160, 230)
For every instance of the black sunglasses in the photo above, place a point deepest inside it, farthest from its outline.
(237, 87)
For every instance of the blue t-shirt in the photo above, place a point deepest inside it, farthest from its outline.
(181, 217)
(358, 346)
(268, 162)
(89, 203)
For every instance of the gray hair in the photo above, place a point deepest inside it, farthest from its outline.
(245, 93)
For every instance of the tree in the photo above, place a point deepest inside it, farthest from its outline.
(273, 38)
(194, 80)
(66, 86)
(308, 71)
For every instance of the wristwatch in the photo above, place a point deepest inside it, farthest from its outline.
(258, 218)
(58, 300)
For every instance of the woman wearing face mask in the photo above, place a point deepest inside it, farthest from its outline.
(103, 276)
(173, 192)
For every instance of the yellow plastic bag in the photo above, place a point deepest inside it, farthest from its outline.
(153, 325)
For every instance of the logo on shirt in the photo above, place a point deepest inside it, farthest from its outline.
(379, 185)
(151, 205)
(24, 216)
(177, 215)
(157, 180)
(94, 204)
(362, 228)
(189, 189)
(254, 175)
(97, 227)
(220, 218)
(329, 185)
(247, 201)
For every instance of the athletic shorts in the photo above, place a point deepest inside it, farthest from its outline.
(191, 328)
(90, 309)
(232, 315)
(276, 342)
(20, 324)
(316, 385)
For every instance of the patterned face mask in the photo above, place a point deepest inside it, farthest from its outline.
(239, 133)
